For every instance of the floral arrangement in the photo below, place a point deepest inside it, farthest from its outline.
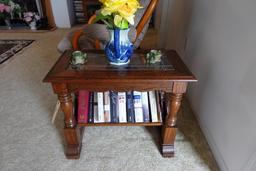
(15, 10)
(30, 17)
(5, 11)
(118, 13)
(9, 9)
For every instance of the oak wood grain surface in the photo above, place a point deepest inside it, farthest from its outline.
(171, 76)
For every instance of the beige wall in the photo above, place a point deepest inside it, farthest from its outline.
(172, 23)
(221, 52)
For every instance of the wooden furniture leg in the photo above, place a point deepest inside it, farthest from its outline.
(169, 127)
(72, 133)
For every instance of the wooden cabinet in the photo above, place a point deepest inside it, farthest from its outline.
(170, 76)
(84, 9)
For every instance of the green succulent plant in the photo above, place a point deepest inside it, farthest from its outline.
(154, 56)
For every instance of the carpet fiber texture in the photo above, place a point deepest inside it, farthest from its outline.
(8, 48)
(28, 140)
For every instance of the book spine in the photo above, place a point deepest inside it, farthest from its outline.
(145, 106)
(122, 107)
(161, 98)
(95, 108)
(138, 112)
(106, 106)
(129, 107)
(153, 108)
(159, 110)
(100, 107)
(91, 105)
(113, 107)
(75, 100)
(83, 106)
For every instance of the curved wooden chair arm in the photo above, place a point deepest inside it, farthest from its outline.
(96, 41)
(91, 19)
(79, 33)
(148, 13)
(75, 39)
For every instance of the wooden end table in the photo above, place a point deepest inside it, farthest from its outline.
(170, 76)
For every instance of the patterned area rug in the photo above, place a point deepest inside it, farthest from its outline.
(8, 48)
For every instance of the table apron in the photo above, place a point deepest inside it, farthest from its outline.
(121, 86)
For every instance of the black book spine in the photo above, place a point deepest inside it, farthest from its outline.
(91, 107)
(113, 107)
(130, 106)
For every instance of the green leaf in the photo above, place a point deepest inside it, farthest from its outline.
(108, 20)
(99, 18)
(124, 24)
(6, 2)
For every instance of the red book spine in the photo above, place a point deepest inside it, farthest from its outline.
(83, 106)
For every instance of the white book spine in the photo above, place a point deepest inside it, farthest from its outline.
(122, 107)
(107, 106)
(95, 108)
(153, 107)
(138, 112)
(137, 99)
(145, 106)
(100, 107)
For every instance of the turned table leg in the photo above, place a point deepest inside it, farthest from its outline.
(169, 128)
(72, 132)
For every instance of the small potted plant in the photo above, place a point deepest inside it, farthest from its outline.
(5, 13)
(31, 18)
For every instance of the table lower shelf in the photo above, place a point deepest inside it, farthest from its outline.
(122, 124)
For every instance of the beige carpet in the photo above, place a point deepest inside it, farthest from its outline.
(28, 140)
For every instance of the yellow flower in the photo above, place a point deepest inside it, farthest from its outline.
(111, 6)
(128, 9)
(124, 8)
(118, 20)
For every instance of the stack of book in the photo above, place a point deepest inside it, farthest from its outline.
(79, 11)
(84, 9)
(118, 107)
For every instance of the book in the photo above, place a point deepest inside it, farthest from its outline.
(113, 107)
(95, 108)
(107, 106)
(122, 107)
(100, 107)
(138, 112)
(153, 106)
(145, 106)
(79, 14)
(159, 110)
(83, 106)
(161, 98)
(74, 97)
(129, 106)
(91, 107)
